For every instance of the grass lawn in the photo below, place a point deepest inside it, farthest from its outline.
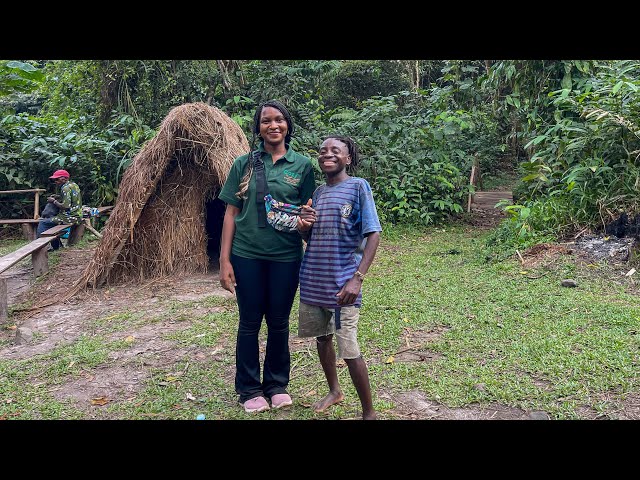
(436, 320)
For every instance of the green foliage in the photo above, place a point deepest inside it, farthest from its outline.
(18, 76)
(526, 225)
(34, 147)
(355, 81)
(570, 126)
(144, 89)
(589, 153)
(415, 156)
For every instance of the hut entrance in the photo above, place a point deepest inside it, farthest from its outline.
(214, 213)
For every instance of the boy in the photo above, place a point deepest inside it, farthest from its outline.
(342, 231)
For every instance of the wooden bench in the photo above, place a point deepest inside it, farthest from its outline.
(39, 258)
(29, 225)
(55, 231)
(76, 233)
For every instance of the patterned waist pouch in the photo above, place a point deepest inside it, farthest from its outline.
(281, 216)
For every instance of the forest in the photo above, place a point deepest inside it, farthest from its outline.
(564, 133)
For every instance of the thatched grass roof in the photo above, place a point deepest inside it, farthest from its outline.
(157, 226)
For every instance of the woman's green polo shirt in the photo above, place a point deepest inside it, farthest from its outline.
(289, 180)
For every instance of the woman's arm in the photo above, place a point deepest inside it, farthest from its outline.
(227, 275)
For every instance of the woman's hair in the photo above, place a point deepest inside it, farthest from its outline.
(244, 183)
(352, 148)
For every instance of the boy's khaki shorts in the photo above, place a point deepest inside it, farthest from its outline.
(319, 321)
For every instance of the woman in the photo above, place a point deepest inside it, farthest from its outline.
(258, 263)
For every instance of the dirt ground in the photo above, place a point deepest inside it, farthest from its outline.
(68, 321)
(122, 378)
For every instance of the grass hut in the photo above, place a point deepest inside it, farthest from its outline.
(167, 219)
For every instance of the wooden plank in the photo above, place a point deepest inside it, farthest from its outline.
(14, 257)
(11, 221)
(24, 191)
(105, 210)
(40, 262)
(76, 234)
(55, 231)
(89, 227)
(29, 231)
(488, 199)
(4, 303)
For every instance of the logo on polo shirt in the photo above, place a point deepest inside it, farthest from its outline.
(345, 210)
(292, 178)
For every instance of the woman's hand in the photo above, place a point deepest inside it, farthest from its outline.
(227, 276)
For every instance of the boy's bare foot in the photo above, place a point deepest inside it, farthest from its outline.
(326, 402)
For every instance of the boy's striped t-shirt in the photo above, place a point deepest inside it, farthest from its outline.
(346, 212)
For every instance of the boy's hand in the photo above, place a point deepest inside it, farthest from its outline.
(307, 217)
(348, 294)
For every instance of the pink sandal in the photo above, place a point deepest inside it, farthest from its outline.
(280, 400)
(255, 404)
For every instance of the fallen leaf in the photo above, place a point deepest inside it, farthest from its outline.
(191, 397)
(99, 401)
(523, 272)
(312, 392)
(171, 378)
(130, 339)
(390, 359)
(71, 364)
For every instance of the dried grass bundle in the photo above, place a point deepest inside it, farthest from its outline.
(157, 226)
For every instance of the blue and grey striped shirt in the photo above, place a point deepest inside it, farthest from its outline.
(346, 212)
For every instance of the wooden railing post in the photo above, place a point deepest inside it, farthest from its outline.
(36, 209)
(474, 179)
(473, 172)
(4, 310)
